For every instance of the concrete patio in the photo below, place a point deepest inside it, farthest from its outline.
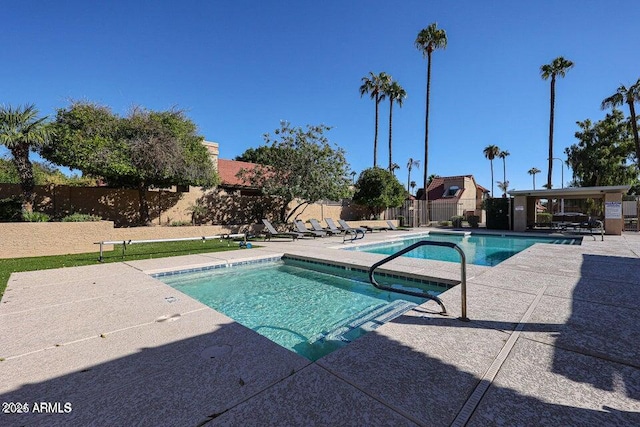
(553, 340)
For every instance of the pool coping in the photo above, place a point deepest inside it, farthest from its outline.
(559, 372)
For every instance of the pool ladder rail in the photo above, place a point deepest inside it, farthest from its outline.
(463, 274)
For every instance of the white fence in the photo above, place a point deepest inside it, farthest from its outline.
(631, 213)
(414, 212)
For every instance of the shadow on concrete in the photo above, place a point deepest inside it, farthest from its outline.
(180, 383)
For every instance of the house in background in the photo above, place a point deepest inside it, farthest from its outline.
(230, 184)
(455, 196)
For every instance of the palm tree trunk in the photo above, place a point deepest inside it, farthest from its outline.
(553, 101)
(491, 161)
(634, 126)
(390, 133)
(534, 181)
(375, 137)
(409, 179)
(426, 133)
(20, 153)
(504, 169)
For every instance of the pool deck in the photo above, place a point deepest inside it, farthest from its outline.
(554, 339)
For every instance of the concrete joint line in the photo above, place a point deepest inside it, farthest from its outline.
(400, 411)
(487, 379)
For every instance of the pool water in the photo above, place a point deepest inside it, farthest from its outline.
(480, 249)
(307, 311)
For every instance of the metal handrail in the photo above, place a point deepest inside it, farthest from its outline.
(354, 232)
(463, 274)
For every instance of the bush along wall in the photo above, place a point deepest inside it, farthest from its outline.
(497, 213)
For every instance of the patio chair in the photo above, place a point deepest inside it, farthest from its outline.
(317, 227)
(305, 231)
(353, 231)
(393, 227)
(272, 232)
(332, 226)
(372, 228)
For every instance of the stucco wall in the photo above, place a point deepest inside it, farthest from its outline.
(121, 205)
(27, 239)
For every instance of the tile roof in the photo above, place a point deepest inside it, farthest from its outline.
(228, 169)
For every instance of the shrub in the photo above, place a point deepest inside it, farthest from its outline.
(180, 223)
(78, 217)
(544, 218)
(35, 217)
(456, 220)
(444, 223)
(10, 209)
(473, 221)
(401, 221)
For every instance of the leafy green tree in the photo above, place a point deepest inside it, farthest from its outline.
(22, 131)
(144, 149)
(491, 152)
(253, 155)
(410, 165)
(377, 189)
(557, 67)
(533, 171)
(628, 96)
(43, 174)
(428, 40)
(375, 85)
(300, 166)
(604, 153)
(395, 93)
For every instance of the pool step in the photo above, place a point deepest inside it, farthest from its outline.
(367, 320)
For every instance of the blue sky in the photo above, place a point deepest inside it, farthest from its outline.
(239, 67)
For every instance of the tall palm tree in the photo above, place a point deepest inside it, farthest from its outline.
(410, 165)
(628, 96)
(353, 177)
(533, 171)
(491, 152)
(394, 92)
(374, 85)
(558, 67)
(20, 131)
(503, 155)
(428, 40)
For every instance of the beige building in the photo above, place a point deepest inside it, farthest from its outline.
(455, 196)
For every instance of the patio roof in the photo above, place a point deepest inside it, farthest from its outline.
(572, 191)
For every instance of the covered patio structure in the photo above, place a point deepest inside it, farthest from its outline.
(524, 204)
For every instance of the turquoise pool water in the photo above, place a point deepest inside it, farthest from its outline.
(480, 249)
(309, 311)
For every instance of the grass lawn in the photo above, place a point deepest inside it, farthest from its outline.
(132, 252)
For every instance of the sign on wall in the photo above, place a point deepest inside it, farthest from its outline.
(612, 210)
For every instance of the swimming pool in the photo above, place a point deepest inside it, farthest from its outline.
(309, 308)
(480, 249)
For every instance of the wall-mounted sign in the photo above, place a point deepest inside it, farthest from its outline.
(519, 208)
(612, 210)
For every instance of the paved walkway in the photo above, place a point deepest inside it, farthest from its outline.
(553, 340)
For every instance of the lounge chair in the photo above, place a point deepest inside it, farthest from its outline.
(272, 232)
(354, 231)
(305, 231)
(317, 227)
(372, 228)
(393, 227)
(332, 226)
